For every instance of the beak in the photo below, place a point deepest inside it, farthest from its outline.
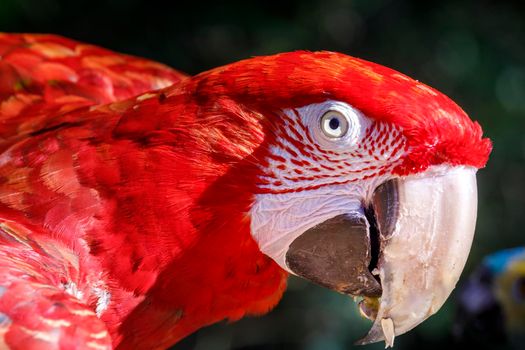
(409, 247)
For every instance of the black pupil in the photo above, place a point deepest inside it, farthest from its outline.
(334, 123)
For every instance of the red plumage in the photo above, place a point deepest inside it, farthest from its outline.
(147, 198)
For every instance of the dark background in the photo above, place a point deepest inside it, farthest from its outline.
(474, 51)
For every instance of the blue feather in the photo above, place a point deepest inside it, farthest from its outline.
(499, 261)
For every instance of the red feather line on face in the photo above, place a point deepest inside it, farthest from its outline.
(437, 130)
(297, 165)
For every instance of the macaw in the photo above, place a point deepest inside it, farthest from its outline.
(138, 204)
(491, 303)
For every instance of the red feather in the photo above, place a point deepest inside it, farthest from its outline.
(151, 194)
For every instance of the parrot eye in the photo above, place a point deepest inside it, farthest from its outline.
(334, 124)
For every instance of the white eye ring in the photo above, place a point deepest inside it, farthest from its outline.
(334, 124)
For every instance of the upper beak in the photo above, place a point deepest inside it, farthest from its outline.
(425, 227)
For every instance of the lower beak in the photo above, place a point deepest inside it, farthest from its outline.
(425, 227)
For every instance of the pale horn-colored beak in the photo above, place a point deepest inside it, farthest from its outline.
(426, 225)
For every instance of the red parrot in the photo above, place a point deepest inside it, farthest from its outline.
(138, 204)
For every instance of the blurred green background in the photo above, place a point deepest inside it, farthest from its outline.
(474, 51)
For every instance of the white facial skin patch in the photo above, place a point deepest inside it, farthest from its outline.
(278, 219)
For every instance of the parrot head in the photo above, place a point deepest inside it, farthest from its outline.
(364, 179)
(358, 178)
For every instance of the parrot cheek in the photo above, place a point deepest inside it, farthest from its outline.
(325, 236)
